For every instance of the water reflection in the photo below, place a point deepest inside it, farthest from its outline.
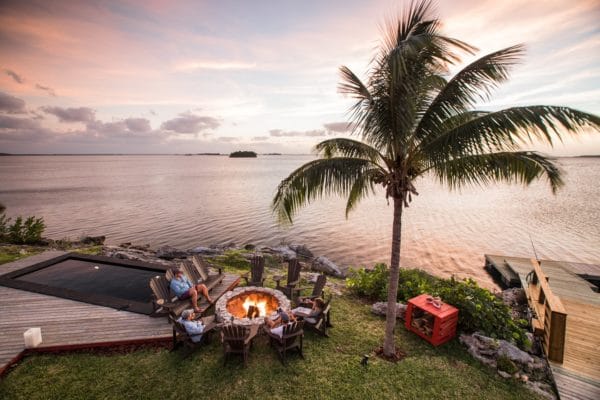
(203, 200)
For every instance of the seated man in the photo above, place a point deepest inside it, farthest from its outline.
(276, 325)
(193, 328)
(183, 288)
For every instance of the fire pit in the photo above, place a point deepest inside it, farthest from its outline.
(249, 305)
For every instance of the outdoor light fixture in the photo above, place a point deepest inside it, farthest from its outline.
(365, 360)
(32, 337)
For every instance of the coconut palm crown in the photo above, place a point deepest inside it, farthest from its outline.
(414, 121)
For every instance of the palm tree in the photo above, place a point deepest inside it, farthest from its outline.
(413, 122)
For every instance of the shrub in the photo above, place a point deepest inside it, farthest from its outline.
(372, 284)
(4, 227)
(28, 232)
(413, 282)
(479, 309)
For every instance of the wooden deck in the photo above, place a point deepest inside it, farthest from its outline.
(68, 324)
(578, 377)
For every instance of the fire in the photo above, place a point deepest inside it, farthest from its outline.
(261, 305)
(258, 304)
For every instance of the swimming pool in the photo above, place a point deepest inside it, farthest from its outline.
(104, 281)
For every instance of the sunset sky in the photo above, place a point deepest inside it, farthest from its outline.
(217, 76)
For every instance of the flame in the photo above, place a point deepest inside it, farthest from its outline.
(261, 305)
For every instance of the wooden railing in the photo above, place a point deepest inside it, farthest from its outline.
(551, 321)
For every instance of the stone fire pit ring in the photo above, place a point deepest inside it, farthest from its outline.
(223, 316)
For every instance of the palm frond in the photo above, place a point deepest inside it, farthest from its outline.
(316, 179)
(506, 130)
(473, 82)
(522, 167)
(362, 187)
(352, 85)
(342, 147)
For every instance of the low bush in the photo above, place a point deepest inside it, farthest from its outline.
(21, 232)
(3, 226)
(369, 283)
(479, 309)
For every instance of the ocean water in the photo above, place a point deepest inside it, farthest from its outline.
(186, 201)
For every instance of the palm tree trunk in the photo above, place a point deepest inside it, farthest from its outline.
(390, 318)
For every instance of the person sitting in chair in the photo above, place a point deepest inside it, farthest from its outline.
(183, 288)
(193, 328)
(276, 325)
(316, 308)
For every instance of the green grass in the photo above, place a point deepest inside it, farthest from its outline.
(331, 370)
(10, 252)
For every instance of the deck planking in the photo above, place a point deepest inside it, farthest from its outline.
(578, 377)
(70, 324)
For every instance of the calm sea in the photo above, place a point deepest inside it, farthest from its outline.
(186, 201)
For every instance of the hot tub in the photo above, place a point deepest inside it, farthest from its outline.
(104, 281)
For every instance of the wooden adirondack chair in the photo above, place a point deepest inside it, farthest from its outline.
(291, 339)
(317, 290)
(208, 279)
(163, 301)
(237, 339)
(257, 269)
(180, 335)
(293, 279)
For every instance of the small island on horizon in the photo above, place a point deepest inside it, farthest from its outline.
(243, 154)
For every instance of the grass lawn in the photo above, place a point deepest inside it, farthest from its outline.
(13, 252)
(9, 252)
(331, 370)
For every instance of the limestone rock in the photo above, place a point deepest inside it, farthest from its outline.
(169, 253)
(514, 353)
(323, 264)
(284, 251)
(503, 374)
(514, 296)
(93, 240)
(205, 250)
(301, 250)
(380, 308)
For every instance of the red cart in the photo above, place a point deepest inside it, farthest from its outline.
(436, 325)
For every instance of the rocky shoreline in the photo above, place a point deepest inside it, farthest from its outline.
(168, 255)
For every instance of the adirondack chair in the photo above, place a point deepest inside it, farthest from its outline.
(237, 339)
(181, 337)
(163, 301)
(291, 339)
(257, 269)
(293, 278)
(208, 279)
(317, 290)
(321, 322)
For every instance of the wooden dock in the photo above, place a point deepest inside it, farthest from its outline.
(68, 324)
(578, 376)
